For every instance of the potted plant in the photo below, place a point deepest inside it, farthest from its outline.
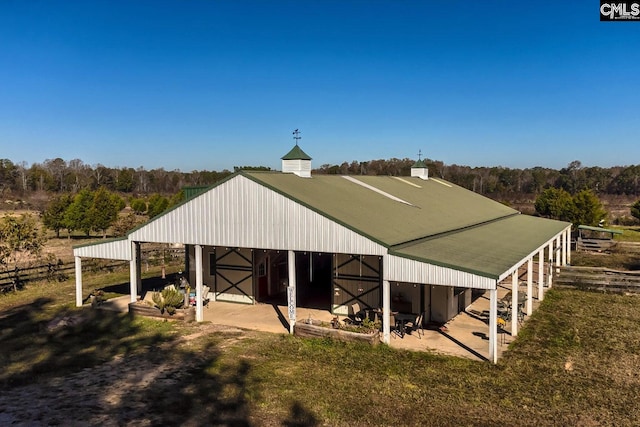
(167, 304)
(168, 300)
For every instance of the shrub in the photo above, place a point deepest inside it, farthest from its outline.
(635, 210)
(139, 206)
(168, 300)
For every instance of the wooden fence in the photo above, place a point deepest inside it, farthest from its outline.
(61, 271)
(599, 279)
(53, 272)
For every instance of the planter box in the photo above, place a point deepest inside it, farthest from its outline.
(142, 309)
(314, 330)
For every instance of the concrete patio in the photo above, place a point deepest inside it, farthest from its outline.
(466, 335)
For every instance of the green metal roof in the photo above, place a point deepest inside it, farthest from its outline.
(419, 164)
(192, 191)
(434, 206)
(442, 224)
(296, 153)
(487, 250)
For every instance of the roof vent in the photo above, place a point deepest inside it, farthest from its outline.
(420, 169)
(297, 161)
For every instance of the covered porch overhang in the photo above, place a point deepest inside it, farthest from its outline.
(490, 255)
(115, 249)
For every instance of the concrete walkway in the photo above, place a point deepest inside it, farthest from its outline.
(464, 336)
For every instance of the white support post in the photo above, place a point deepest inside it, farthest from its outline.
(569, 251)
(550, 266)
(558, 253)
(529, 286)
(560, 250)
(212, 290)
(199, 313)
(386, 311)
(138, 269)
(541, 274)
(78, 281)
(292, 290)
(567, 247)
(493, 324)
(133, 272)
(514, 304)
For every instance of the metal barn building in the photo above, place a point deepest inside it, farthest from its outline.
(399, 243)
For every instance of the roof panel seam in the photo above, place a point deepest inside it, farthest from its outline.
(412, 242)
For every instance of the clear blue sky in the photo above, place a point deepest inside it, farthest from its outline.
(215, 84)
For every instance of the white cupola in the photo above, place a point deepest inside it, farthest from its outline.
(297, 161)
(420, 170)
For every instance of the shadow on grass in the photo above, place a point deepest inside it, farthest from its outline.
(300, 417)
(39, 340)
(98, 367)
(187, 389)
(633, 265)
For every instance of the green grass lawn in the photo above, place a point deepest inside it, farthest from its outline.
(630, 233)
(575, 363)
(623, 256)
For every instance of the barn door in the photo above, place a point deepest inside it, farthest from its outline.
(234, 275)
(356, 279)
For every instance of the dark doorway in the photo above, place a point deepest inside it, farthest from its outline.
(313, 280)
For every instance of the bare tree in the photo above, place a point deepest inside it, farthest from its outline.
(57, 168)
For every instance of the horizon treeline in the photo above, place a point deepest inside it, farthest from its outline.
(17, 180)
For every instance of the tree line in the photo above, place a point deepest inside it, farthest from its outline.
(59, 176)
(498, 180)
(71, 187)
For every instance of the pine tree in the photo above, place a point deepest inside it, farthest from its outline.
(76, 216)
(104, 210)
(53, 215)
(635, 210)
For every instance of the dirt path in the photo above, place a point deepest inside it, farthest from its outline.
(115, 393)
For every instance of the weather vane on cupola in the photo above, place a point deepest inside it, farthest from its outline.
(419, 155)
(296, 135)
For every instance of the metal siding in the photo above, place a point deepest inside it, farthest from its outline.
(398, 269)
(296, 166)
(116, 249)
(242, 213)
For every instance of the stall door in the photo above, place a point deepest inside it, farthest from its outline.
(234, 275)
(356, 279)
